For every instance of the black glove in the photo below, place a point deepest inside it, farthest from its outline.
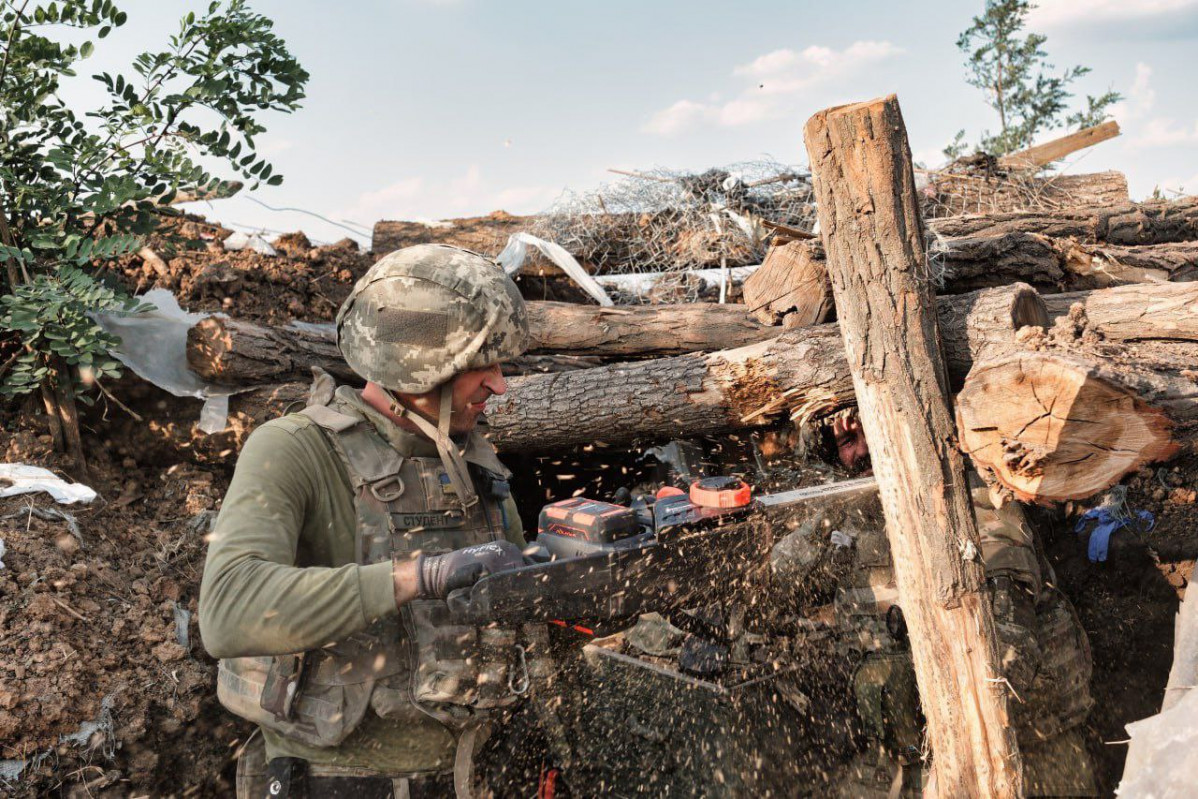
(437, 575)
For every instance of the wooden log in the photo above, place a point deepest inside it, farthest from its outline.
(1155, 222)
(1041, 155)
(791, 286)
(871, 228)
(801, 372)
(236, 352)
(641, 330)
(1144, 312)
(230, 351)
(1112, 265)
(1055, 427)
(1055, 264)
(1088, 188)
(955, 193)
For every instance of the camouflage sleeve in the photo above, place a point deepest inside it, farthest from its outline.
(253, 599)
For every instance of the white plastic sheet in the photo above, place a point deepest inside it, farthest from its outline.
(1162, 761)
(642, 282)
(516, 253)
(1162, 758)
(21, 478)
(154, 346)
(248, 241)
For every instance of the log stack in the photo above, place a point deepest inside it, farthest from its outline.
(1070, 331)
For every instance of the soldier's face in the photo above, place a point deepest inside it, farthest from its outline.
(471, 390)
(850, 444)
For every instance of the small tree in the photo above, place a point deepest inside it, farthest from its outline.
(81, 189)
(1015, 75)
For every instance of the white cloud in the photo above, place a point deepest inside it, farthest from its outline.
(425, 199)
(678, 117)
(1140, 98)
(777, 81)
(1063, 13)
(1145, 132)
(1163, 132)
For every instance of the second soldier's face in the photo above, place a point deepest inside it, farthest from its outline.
(850, 445)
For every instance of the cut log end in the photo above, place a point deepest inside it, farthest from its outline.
(1027, 308)
(208, 347)
(1051, 429)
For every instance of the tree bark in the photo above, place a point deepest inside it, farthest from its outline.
(236, 352)
(791, 286)
(68, 414)
(1155, 222)
(1055, 427)
(1053, 264)
(229, 351)
(803, 373)
(649, 330)
(970, 193)
(1143, 312)
(869, 218)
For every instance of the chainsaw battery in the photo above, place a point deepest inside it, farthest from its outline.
(589, 520)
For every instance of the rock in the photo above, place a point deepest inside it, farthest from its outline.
(169, 651)
(653, 635)
(1182, 496)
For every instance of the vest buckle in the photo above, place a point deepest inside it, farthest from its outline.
(388, 489)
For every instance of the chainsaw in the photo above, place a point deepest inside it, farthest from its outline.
(595, 561)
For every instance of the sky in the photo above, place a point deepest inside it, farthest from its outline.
(433, 109)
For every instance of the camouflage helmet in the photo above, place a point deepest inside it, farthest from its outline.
(423, 314)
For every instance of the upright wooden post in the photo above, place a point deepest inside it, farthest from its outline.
(871, 228)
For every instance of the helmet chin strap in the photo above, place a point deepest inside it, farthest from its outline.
(451, 457)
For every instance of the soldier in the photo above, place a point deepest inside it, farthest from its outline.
(1045, 653)
(344, 529)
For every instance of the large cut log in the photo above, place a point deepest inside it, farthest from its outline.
(236, 352)
(1053, 264)
(955, 193)
(229, 351)
(1112, 264)
(801, 372)
(1144, 312)
(1054, 427)
(871, 228)
(1156, 222)
(791, 286)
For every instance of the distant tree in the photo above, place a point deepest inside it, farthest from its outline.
(1017, 79)
(81, 187)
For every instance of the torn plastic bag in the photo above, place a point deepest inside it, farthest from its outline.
(21, 478)
(154, 346)
(516, 253)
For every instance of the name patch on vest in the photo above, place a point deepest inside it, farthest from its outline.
(429, 519)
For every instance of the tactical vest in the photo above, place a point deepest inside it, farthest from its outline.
(417, 664)
(1044, 651)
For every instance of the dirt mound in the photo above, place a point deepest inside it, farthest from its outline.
(103, 680)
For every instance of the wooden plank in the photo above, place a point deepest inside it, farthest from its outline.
(1046, 153)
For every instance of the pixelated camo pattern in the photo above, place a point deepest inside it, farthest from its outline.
(422, 314)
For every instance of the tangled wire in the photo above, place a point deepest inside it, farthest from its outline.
(664, 220)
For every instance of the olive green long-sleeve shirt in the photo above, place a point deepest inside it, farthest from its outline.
(280, 576)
